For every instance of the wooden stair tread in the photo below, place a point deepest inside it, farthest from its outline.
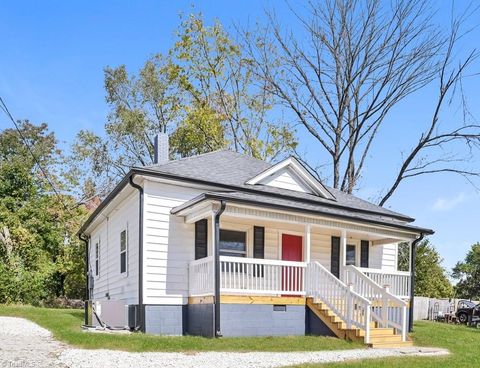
(379, 337)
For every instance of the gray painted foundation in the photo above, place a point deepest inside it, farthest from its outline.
(165, 319)
(235, 320)
(262, 320)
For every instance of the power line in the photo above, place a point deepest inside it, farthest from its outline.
(5, 109)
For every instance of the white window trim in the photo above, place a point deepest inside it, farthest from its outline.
(248, 232)
(126, 251)
(97, 257)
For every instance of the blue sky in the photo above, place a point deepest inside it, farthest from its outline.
(51, 70)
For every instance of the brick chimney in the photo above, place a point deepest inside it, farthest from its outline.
(161, 149)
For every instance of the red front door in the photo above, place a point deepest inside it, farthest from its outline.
(291, 251)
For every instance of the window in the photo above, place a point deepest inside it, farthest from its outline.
(97, 258)
(233, 243)
(123, 251)
(351, 254)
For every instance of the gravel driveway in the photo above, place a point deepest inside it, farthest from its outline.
(24, 344)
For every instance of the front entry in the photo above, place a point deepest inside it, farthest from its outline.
(291, 251)
(292, 248)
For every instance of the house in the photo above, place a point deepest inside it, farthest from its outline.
(222, 244)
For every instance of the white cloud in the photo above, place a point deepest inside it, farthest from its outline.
(446, 204)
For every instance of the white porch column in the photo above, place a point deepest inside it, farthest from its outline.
(343, 254)
(307, 255)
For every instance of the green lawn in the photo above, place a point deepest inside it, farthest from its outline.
(463, 342)
(65, 326)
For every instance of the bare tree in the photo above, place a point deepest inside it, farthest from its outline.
(359, 59)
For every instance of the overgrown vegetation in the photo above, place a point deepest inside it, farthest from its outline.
(39, 257)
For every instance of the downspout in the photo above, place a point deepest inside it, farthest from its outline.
(217, 268)
(413, 256)
(84, 238)
(141, 306)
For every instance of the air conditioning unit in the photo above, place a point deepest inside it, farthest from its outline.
(110, 313)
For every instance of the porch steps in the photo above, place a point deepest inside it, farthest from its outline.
(379, 337)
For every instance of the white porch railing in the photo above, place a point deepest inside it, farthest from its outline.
(341, 299)
(358, 300)
(248, 276)
(200, 277)
(398, 281)
(262, 276)
(387, 309)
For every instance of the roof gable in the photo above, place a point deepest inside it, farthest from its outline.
(290, 174)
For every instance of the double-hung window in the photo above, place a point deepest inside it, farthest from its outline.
(97, 258)
(123, 251)
(233, 243)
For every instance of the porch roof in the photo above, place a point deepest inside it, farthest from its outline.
(270, 202)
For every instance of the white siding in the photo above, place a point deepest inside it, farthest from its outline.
(272, 241)
(384, 257)
(120, 286)
(320, 247)
(285, 179)
(168, 244)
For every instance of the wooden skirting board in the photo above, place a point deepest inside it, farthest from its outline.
(248, 299)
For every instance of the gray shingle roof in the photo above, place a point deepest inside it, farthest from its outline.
(229, 168)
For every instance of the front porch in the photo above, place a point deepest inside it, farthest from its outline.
(345, 273)
(253, 276)
(266, 252)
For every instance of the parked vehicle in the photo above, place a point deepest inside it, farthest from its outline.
(466, 308)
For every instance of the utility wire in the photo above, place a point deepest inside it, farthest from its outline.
(5, 109)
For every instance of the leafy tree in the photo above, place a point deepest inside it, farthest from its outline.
(468, 274)
(203, 92)
(36, 261)
(430, 277)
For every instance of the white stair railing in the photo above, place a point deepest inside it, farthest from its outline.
(347, 304)
(387, 309)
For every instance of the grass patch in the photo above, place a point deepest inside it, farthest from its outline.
(65, 326)
(463, 343)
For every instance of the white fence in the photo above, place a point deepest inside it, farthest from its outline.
(425, 308)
